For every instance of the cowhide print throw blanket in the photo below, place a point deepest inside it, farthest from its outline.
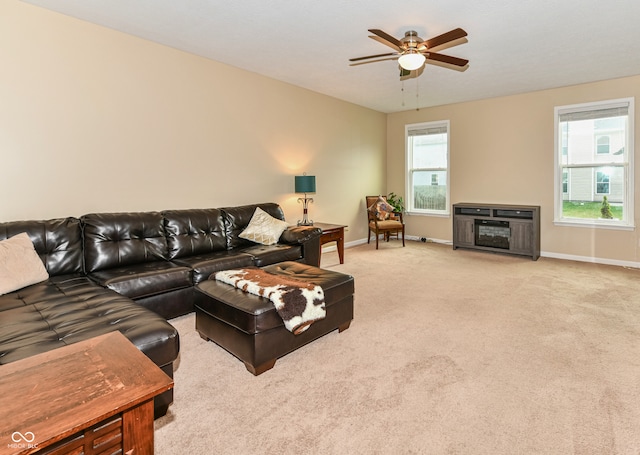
(299, 304)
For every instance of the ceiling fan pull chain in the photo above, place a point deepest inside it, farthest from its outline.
(402, 91)
(417, 95)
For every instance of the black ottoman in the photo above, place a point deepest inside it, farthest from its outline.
(248, 325)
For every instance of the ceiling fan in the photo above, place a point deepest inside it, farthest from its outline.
(412, 52)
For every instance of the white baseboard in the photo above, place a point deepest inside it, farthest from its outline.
(428, 240)
(605, 261)
(333, 246)
(547, 254)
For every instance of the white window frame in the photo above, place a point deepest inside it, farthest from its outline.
(627, 223)
(409, 170)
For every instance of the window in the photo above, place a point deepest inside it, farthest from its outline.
(602, 182)
(594, 159)
(602, 145)
(428, 168)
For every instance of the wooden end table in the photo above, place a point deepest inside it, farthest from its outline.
(333, 233)
(92, 397)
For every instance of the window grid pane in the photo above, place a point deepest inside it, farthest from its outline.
(426, 195)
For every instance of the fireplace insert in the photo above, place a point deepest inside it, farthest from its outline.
(492, 233)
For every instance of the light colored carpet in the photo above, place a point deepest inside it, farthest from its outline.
(450, 352)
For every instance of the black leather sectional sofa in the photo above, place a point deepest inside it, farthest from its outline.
(131, 272)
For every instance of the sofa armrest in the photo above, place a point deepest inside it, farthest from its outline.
(309, 238)
(300, 234)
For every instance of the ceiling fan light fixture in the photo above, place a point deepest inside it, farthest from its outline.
(412, 60)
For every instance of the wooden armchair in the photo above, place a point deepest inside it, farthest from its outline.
(383, 219)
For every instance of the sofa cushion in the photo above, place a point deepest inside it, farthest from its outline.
(194, 232)
(236, 220)
(144, 280)
(120, 239)
(272, 254)
(58, 242)
(20, 265)
(72, 308)
(263, 228)
(203, 265)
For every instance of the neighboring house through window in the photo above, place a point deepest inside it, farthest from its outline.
(594, 158)
(428, 168)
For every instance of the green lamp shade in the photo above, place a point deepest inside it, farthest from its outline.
(305, 183)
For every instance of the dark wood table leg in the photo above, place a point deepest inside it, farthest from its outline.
(333, 233)
(340, 243)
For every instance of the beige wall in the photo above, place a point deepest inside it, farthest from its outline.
(94, 120)
(502, 151)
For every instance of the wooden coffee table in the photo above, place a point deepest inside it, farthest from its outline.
(91, 397)
(333, 233)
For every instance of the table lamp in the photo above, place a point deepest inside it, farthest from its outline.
(305, 184)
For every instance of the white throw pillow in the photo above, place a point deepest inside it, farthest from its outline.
(263, 228)
(20, 265)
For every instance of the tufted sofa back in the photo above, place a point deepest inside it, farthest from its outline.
(236, 220)
(194, 231)
(120, 239)
(58, 242)
(100, 241)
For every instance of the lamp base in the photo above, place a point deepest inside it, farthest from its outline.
(305, 203)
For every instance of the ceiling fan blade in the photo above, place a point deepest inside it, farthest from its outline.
(393, 42)
(385, 42)
(372, 56)
(373, 61)
(439, 40)
(441, 47)
(446, 59)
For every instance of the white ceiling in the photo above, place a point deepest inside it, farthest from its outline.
(513, 46)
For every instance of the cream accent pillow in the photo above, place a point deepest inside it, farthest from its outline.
(20, 265)
(263, 228)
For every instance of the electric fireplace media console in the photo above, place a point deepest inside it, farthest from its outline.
(512, 229)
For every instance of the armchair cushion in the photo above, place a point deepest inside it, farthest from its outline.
(263, 228)
(386, 225)
(381, 209)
